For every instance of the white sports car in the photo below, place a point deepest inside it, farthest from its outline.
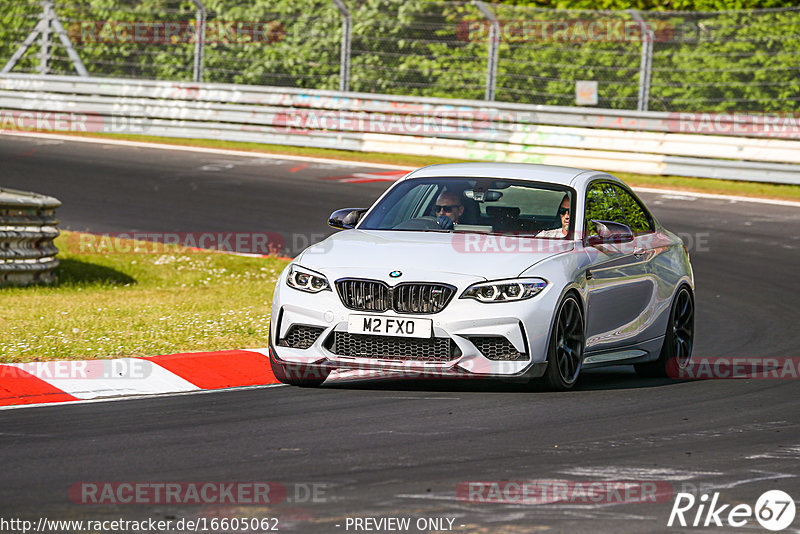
(488, 270)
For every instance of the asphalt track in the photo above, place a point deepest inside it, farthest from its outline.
(401, 449)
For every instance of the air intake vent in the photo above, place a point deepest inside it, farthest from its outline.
(435, 349)
(301, 336)
(497, 348)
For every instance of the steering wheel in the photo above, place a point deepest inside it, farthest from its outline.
(419, 223)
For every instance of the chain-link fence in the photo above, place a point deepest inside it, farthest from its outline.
(661, 61)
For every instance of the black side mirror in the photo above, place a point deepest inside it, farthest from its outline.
(610, 232)
(346, 218)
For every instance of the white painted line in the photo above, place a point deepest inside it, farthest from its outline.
(730, 198)
(347, 163)
(122, 376)
(636, 473)
(136, 397)
(204, 150)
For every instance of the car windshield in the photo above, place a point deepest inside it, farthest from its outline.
(484, 205)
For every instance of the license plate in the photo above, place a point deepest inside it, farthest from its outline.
(389, 326)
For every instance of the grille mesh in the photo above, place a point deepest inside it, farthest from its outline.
(365, 295)
(497, 348)
(437, 349)
(301, 336)
(421, 297)
(408, 297)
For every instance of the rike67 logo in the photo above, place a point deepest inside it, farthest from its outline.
(774, 510)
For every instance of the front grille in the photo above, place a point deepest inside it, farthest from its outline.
(366, 295)
(496, 348)
(408, 297)
(301, 336)
(421, 297)
(436, 349)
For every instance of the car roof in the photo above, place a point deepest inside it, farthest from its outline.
(521, 171)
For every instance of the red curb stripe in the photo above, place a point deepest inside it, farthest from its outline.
(21, 387)
(216, 370)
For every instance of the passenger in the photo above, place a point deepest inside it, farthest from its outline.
(563, 213)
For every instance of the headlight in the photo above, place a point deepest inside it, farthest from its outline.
(505, 290)
(306, 280)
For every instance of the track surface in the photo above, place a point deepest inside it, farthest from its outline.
(402, 448)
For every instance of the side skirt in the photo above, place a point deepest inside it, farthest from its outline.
(646, 351)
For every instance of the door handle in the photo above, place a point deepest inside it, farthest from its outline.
(589, 274)
(639, 252)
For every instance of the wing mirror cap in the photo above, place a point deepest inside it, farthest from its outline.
(610, 232)
(346, 218)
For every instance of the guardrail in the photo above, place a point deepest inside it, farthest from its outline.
(27, 230)
(738, 147)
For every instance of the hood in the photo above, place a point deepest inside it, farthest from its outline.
(424, 255)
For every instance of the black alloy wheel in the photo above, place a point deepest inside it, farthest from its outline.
(565, 352)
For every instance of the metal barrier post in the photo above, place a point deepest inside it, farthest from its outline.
(494, 41)
(44, 37)
(48, 21)
(646, 62)
(347, 33)
(200, 41)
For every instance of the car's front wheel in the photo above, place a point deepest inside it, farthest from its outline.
(298, 375)
(676, 353)
(565, 351)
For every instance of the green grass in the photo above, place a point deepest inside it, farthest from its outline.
(143, 304)
(679, 183)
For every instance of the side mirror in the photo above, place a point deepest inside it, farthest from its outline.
(610, 232)
(346, 218)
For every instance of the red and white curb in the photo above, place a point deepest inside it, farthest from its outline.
(69, 381)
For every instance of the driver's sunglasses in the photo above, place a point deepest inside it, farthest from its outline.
(447, 209)
(562, 210)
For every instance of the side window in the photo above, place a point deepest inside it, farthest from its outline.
(638, 219)
(408, 206)
(602, 205)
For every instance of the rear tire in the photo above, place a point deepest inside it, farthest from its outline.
(676, 353)
(565, 350)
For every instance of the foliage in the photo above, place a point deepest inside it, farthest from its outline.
(609, 202)
(703, 61)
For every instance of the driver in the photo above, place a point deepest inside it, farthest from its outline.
(448, 209)
(563, 213)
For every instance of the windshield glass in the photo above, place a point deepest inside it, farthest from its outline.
(481, 205)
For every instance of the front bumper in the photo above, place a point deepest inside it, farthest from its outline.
(309, 329)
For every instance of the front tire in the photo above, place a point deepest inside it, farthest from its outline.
(676, 353)
(298, 375)
(565, 350)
